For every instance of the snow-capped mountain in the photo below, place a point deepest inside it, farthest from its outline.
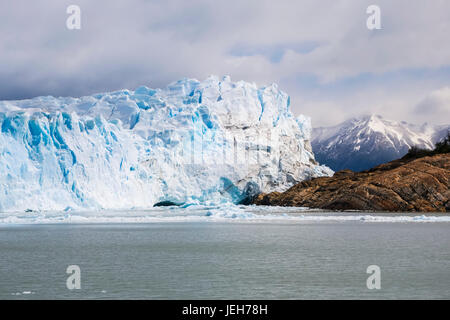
(210, 142)
(361, 143)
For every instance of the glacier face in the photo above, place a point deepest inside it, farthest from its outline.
(208, 142)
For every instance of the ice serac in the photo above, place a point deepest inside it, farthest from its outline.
(209, 142)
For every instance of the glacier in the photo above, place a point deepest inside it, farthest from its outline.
(193, 142)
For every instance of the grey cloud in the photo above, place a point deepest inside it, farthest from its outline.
(123, 44)
(436, 103)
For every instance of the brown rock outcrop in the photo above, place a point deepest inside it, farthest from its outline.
(402, 185)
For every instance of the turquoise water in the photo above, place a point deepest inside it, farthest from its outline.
(261, 259)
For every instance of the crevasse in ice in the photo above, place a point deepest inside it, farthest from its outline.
(209, 142)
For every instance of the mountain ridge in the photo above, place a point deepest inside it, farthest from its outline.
(361, 143)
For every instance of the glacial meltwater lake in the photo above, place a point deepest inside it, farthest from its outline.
(230, 252)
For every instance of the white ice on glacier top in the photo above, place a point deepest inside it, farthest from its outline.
(209, 142)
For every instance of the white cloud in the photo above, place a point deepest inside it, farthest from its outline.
(437, 103)
(128, 43)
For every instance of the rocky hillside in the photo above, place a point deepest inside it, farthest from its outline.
(402, 185)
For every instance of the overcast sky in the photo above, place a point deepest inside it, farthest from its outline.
(320, 52)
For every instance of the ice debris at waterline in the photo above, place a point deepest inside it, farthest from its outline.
(208, 142)
(223, 213)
